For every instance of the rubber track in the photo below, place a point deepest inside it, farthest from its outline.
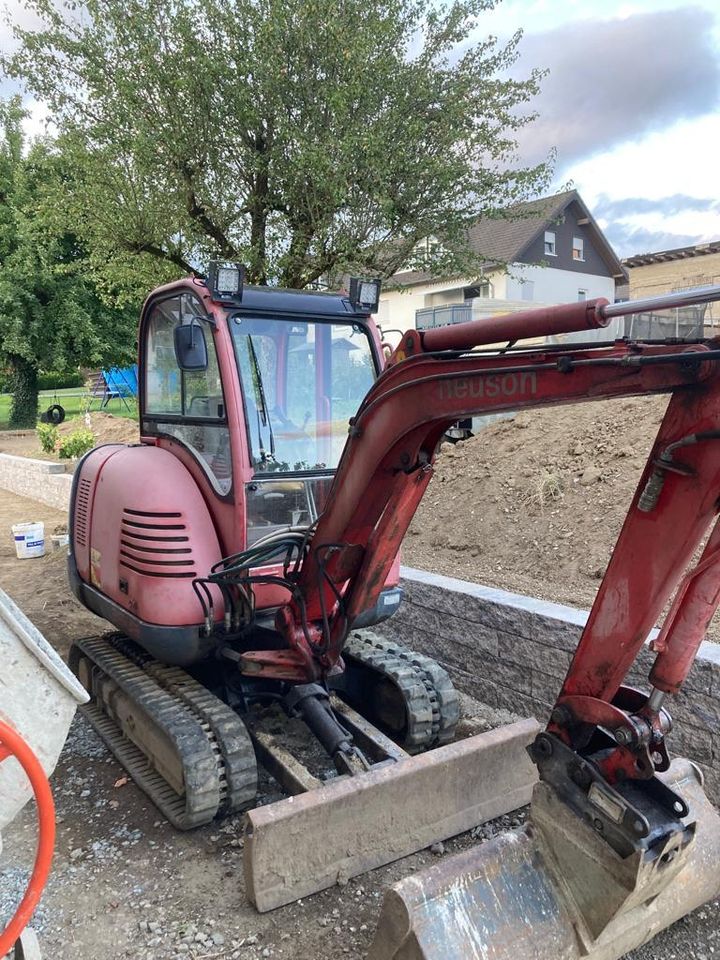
(409, 682)
(201, 735)
(230, 737)
(443, 696)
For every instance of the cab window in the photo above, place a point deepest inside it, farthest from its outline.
(187, 397)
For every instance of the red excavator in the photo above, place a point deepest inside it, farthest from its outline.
(244, 547)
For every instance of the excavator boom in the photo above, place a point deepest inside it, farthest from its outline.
(620, 841)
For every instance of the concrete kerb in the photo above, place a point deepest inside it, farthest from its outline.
(513, 651)
(41, 480)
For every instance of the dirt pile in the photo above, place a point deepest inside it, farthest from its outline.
(534, 504)
(106, 427)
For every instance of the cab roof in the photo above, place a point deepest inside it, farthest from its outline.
(271, 300)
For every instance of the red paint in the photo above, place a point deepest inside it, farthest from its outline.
(527, 324)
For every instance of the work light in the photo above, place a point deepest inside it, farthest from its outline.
(365, 294)
(225, 280)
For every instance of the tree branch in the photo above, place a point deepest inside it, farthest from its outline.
(155, 251)
(198, 213)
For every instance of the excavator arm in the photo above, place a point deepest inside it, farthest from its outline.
(440, 376)
(619, 841)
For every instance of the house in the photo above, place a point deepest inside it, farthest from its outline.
(552, 251)
(668, 271)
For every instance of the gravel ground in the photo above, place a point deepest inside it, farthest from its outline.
(126, 885)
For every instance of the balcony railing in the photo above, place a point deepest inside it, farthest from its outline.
(429, 317)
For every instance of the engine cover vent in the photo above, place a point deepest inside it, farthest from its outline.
(156, 545)
(82, 507)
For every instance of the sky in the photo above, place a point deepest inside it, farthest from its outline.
(631, 104)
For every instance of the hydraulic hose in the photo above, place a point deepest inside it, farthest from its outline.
(13, 745)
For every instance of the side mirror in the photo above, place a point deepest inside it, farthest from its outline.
(190, 346)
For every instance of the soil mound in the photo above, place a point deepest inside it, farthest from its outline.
(534, 504)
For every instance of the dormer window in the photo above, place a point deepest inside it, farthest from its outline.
(577, 249)
(550, 243)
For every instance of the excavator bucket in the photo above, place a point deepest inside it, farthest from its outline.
(306, 843)
(553, 890)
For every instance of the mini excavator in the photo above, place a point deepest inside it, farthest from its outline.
(247, 548)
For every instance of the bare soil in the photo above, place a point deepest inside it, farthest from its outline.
(106, 427)
(534, 504)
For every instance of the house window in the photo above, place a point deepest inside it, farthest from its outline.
(550, 243)
(582, 295)
(577, 248)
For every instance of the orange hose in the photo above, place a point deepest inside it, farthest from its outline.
(12, 744)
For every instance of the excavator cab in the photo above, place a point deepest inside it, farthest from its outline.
(300, 377)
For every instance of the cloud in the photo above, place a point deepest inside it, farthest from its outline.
(636, 225)
(628, 240)
(615, 80)
(609, 209)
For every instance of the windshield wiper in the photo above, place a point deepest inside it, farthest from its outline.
(260, 392)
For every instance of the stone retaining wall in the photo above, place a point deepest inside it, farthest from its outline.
(513, 651)
(41, 480)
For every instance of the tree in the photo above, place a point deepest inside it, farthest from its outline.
(305, 138)
(50, 313)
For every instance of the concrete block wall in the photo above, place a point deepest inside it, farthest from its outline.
(41, 480)
(512, 651)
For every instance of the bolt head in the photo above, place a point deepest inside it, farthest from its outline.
(623, 736)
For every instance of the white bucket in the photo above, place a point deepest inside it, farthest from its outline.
(29, 540)
(38, 697)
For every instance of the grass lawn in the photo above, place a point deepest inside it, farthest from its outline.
(74, 402)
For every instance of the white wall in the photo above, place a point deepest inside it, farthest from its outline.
(549, 286)
(397, 307)
(557, 286)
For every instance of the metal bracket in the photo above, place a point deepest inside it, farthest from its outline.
(632, 816)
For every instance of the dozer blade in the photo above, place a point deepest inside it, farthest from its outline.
(509, 899)
(304, 844)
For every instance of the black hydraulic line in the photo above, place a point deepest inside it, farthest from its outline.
(638, 360)
(664, 464)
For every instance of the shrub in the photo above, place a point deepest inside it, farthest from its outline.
(54, 380)
(48, 436)
(75, 444)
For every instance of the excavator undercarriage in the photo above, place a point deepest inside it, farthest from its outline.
(196, 756)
